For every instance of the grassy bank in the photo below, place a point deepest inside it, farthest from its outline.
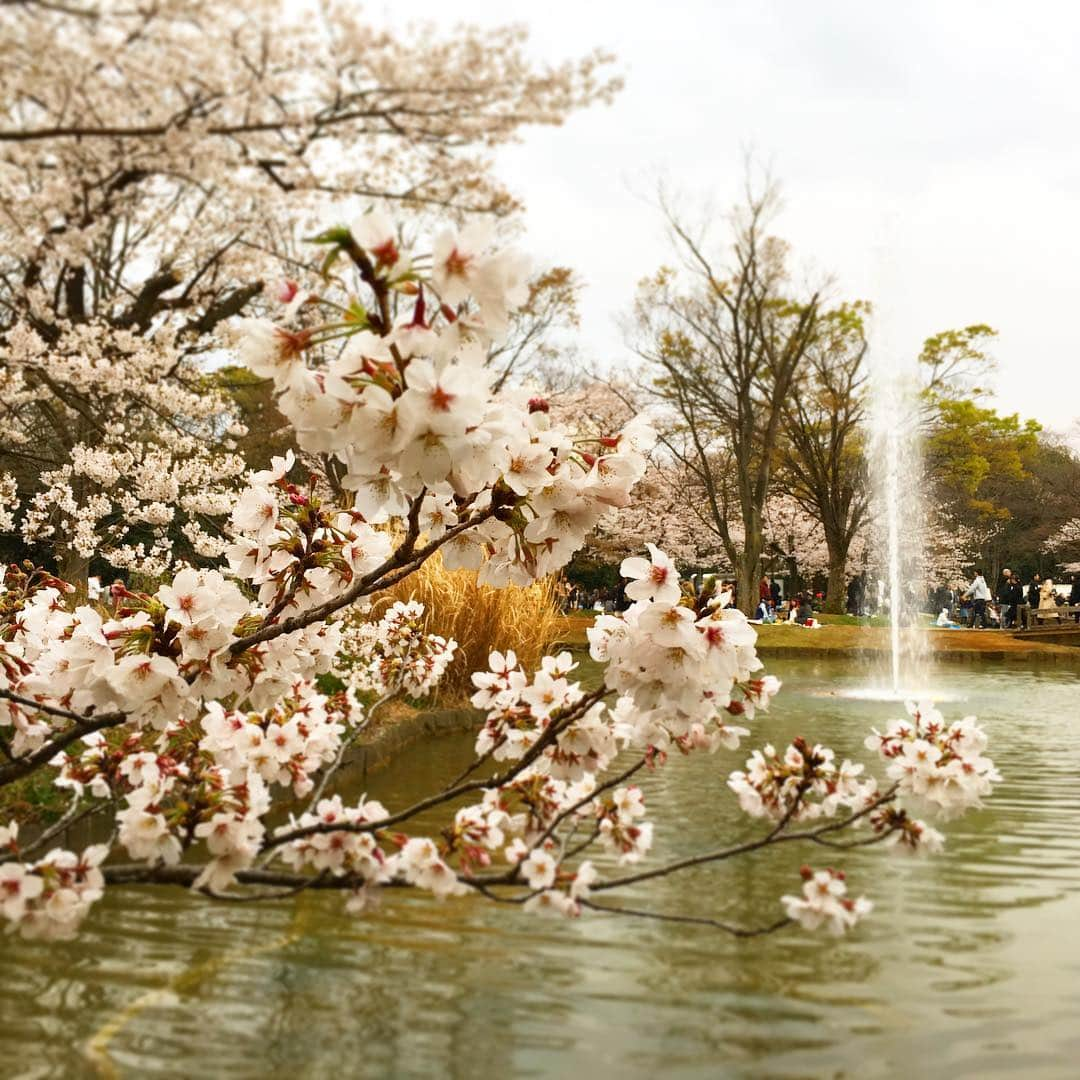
(34, 800)
(843, 635)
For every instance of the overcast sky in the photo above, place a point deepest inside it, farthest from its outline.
(929, 155)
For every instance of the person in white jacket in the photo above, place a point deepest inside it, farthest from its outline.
(979, 593)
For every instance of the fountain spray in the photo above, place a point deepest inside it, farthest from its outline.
(896, 472)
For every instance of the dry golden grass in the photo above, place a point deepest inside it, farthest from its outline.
(480, 618)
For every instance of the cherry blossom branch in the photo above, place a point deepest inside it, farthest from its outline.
(774, 836)
(403, 562)
(513, 874)
(253, 898)
(406, 559)
(44, 707)
(578, 848)
(185, 875)
(549, 735)
(23, 766)
(68, 821)
(470, 769)
(694, 920)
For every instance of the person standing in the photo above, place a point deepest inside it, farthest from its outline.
(1047, 596)
(1033, 591)
(1003, 598)
(963, 602)
(774, 592)
(1016, 598)
(979, 593)
(853, 596)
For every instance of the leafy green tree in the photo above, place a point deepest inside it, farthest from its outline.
(976, 457)
(1013, 484)
(956, 364)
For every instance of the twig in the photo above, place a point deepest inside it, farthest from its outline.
(696, 920)
(404, 561)
(23, 766)
(586, 799)
(248, 898)
(49, 710)
(775, 836)
(68, 818)
(346, 744)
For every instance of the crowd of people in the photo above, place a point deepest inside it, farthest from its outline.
(974, 605)
(772, 606)
(961, 605)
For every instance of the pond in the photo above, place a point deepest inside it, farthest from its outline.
(968, 966)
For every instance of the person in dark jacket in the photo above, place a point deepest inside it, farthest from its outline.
(1033, 591)
(853, 597)
(1074, 595)
(1015, 594)
(1001, 594)
(805, 609)
(774, 592)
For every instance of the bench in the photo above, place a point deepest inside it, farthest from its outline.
(1028, 617)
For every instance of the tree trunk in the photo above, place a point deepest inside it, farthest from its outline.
(836, 595)
(747, 576)
(794, 582)
(836, 591)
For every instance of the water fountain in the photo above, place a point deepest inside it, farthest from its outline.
(897, 477)
(898, 515)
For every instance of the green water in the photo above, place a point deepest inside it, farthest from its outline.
(970, 965)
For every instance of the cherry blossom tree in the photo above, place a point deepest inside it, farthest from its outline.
(793, 532)
(661, 507)
(1066, 540)
(188, 720)
(671, 503)
(156, 160)
(116, 450)
(950, 550)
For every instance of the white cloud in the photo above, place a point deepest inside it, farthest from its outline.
(927, 153)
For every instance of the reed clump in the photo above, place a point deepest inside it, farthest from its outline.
(480, 618)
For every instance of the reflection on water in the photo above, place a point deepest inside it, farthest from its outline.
(968, 965)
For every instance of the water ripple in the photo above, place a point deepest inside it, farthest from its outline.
(966, 967)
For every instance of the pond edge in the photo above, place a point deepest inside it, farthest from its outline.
(389, 741)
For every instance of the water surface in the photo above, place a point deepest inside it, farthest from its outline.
(969, 966)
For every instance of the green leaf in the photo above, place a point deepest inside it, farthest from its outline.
(338, 235)
(327, 263)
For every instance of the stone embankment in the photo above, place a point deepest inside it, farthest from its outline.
(405, 727)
